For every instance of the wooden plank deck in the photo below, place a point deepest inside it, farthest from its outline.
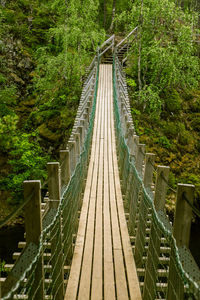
(103, 266)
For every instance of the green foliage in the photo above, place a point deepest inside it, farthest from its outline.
(58, 40)
(185, 136)
(7, 132)
(135, 111)
(150, 100)
(2, 266)
(131, 82)
(62, 61)
(168, 53)
(105, 11)
(195, 123)
(7, 99)
(172, 101)
(27, 160)
(172, 181)
(171, 129)
(164, 142)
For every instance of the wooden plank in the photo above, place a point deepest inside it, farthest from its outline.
(109, 280)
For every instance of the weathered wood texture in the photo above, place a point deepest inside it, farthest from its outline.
(103, 266)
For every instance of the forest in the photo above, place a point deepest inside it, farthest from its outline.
(45, 49)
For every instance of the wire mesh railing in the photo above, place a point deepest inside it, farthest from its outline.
(165, 266)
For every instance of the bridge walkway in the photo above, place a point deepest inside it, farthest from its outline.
(103, 266)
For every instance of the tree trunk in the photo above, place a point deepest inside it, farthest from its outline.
(113, 16)
(140, 47)
(3, 3)
(105, 14)
(139, 62)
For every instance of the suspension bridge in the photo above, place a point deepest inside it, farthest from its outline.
(101, 231)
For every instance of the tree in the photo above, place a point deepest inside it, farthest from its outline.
(113, 15)
(165, 50)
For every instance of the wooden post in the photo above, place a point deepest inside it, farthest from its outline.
(140, 158)
(72, 149)
(152, 264)
(175, 283)
(128, 126)
(130, 139)
(135, 185)
(33, 228)
(65, 167)
(135, 146)
(80, 131)
(54, 184)
(90, 102)
(122, 115)
(33, 219)
(54, 187)
(77, 139)
(161, 187)
(143, 211)
(183, 214)
(151, 274)
(181, 232)
(86, 121)
(127, 181)
(148, 170)
(82, 124)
